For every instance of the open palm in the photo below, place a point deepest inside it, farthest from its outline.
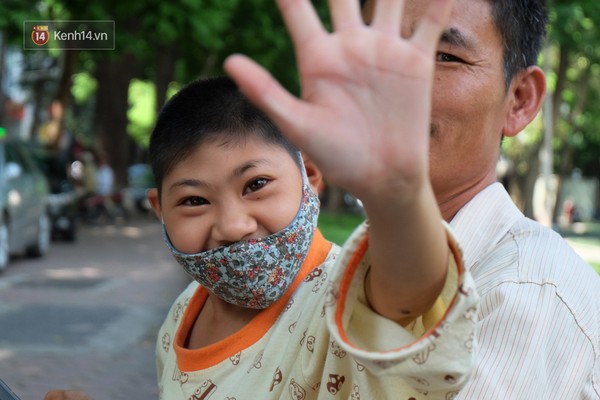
(366, 93)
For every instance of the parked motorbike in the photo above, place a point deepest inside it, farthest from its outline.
(95, 209)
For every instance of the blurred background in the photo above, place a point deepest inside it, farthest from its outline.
(74, 131)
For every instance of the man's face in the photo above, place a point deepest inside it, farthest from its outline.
(469, 103)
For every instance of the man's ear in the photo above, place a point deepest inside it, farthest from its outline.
(153, 198)
(315, 177)
(527, 91)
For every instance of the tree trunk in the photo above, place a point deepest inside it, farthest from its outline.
(561, 79)
(111, 119)
(529, 185)
(64, 91)
(567, 150)
(334, 199)
(2, 98)
(522, 185)
(165, 71)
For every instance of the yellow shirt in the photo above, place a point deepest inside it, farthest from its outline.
(322, 341)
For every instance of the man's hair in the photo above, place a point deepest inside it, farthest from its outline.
(522, 27)
(207, 110)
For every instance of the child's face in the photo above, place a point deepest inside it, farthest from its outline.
(223, 194)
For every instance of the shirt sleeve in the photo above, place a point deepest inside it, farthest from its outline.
(438, 349)
(542, 350)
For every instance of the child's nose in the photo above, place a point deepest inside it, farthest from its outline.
(233, 225)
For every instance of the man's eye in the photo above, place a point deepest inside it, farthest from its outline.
(194, 201)
(445, 57)
(256, 184)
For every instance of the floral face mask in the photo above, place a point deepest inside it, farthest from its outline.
(257, 272)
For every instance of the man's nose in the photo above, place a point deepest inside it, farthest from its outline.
(232, 225)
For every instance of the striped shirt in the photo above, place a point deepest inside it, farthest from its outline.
(539, 319)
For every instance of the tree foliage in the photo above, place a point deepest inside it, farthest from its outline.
(572, 60)
(163, 44)
(575, 36)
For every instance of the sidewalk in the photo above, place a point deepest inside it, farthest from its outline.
(85, 317)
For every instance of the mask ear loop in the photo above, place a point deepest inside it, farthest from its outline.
(303, 172)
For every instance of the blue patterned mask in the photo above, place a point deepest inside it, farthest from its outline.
(257, 272)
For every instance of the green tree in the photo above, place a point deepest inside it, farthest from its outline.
(12, 15)
(175, 42)
(573, 59)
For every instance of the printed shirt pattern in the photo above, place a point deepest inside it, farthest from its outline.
(322, 341)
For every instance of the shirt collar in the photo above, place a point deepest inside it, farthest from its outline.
(482, 222)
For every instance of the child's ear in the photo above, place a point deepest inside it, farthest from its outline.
(315, 177)
(152, 195)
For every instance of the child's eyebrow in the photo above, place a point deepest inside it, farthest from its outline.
(239, 171)
(196, 183)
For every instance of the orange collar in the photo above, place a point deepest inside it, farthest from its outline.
(198, 359)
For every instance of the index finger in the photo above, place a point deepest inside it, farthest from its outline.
(388, 15)
(301, 20)
(345, 14)
(429, 29)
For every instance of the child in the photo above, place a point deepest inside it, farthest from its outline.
(389, 316)
(275, 310)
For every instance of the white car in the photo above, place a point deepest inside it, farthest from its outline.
(24, 191)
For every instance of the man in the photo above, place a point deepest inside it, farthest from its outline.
(539, 321)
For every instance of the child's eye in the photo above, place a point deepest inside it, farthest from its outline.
(256, 184)
(194, 201)
(445, 57)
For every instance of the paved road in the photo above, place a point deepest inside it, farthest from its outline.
(85, 316)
